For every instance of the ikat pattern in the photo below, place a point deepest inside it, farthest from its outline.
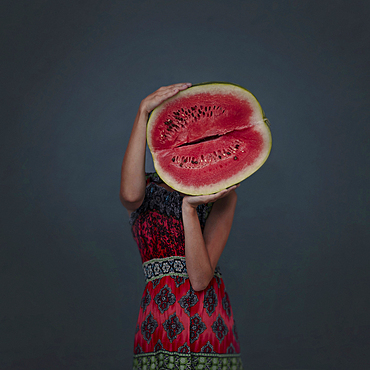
(178, 328)
(197, 327)
(219, 328)
(226, 304)
(208, 348)
(184, 349)
(155, 282)
(148, 327)
(138, 350)
(145, 300)
(165, 298)
(188, 300)
(173, 327)
(178, 280)
(210, 301)
(230, 349)
(158, 346)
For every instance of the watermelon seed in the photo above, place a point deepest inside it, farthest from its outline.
(211, 114)
(185, 160)
(205, 109)
(195, 162)
(199, 111)
(237, 146)
(173, 159)
(235, 158)
(180, 164)
(192, 114)
(228, 153)
(219, 157)
(204, 114)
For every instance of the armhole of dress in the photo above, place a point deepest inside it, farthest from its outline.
(149, 178)
(152, 177)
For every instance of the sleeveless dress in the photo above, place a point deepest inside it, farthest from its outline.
(177, 327)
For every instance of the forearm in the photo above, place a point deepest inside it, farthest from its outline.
(132, 191)
(203, 249)
(198, 263)
(133, 166)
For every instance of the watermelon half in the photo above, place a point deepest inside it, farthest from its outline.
(208, 138)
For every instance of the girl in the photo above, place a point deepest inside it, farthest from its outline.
(185, 319)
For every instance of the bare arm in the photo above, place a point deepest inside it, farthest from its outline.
(132, 189)
(203, 250)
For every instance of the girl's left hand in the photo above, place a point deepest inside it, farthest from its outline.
(194, 201)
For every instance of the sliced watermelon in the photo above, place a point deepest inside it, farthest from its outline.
(208, 138)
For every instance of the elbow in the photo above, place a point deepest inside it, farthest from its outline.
(201, 284)
(130, 201)
(199, 287)
(200, 278)
(130, 196)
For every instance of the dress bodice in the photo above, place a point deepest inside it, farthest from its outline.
(157, 224)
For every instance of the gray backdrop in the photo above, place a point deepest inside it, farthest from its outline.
(297, 262)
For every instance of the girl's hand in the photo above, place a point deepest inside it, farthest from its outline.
(194, 201)
(165, 92)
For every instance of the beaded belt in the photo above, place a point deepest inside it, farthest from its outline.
(175, 265)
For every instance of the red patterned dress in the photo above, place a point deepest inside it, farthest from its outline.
(177, 328)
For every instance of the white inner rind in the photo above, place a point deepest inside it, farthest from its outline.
(256, 120)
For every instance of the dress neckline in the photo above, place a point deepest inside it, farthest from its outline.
(168, 191)
(153, 178)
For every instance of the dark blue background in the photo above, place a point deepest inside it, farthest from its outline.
(297, 262)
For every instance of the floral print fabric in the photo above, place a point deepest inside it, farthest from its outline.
(177, 327)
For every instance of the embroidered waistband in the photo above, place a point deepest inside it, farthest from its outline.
(175, 265)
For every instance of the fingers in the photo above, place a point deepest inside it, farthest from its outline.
(177, 87)
(172, 89)
(221, 194)
(163, 93)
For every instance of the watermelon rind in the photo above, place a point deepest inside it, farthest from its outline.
(258, 120)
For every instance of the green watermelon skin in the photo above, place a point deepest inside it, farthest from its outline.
(208, 138)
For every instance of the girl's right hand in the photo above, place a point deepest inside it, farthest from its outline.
(163, 93)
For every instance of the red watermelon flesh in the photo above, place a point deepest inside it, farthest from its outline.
(208, 137)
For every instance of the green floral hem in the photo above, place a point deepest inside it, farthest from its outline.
(185, 361)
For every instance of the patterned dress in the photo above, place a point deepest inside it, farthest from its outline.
(177, 328)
